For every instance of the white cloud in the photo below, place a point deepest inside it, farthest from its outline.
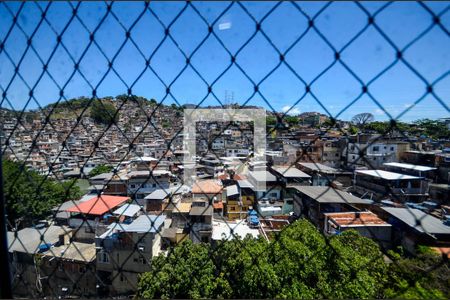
(379, 111)
(224, 25)
(292, 111)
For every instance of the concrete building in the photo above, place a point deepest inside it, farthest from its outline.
(384, 184)
(125, 250)
(366, 223)
(313, 202)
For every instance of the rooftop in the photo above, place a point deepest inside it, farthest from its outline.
(409, 166)
(83, 252)
(98, 205)
(201, 210)
(182, 207)
(144, 159)
(326, 194)
(262, 176)
(356, 219)
(319, 168)
(161, 194)
(410, 216)
(209, 186)
(28, 239)
(244, 183)
(146, 223)
(232, 190)
(386, 175)
(290, 172)
(222, 230)
(148, 173)
(128, 210)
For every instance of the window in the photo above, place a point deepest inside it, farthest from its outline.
(392, 148)
(103, 257)
(142, 260)
(132, 186)
(375, 148)
(336, 154)
(81, 269)
(232, 208)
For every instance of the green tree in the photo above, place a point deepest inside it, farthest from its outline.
(30, 196)
(187, 272)
(103, 112)
(433, 128)
(353, 129)
(425, 276)
(100, 169)
(291, 120)
(271, 120)
(299, 263)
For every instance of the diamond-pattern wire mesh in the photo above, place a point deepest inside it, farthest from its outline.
(150, 114)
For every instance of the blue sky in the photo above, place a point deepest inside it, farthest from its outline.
(366, 56)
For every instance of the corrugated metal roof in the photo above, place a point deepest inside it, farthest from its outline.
(319, 167)
(161, 194)
(98, 205)
(409, 166)
(386, 175)
(326, 194)
(290, 172)
(146, 223)
(262, 176)
(411, 216)
(29, 239)
(127, 210)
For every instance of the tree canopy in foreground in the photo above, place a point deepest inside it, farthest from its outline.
(300, 263)
(30, 196)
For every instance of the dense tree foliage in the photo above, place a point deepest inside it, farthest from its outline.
(72, 104)
(299, 263)
(425, 276)
(100, 169)
(31, 196)
(362, 119)
(103, 112)
(426, 127)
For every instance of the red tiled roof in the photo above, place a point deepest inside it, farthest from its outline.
(239, 177)
(352, 218)
(209, 186)
(98, 205)
(442, 250)
(223, 176)
(218, 205)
